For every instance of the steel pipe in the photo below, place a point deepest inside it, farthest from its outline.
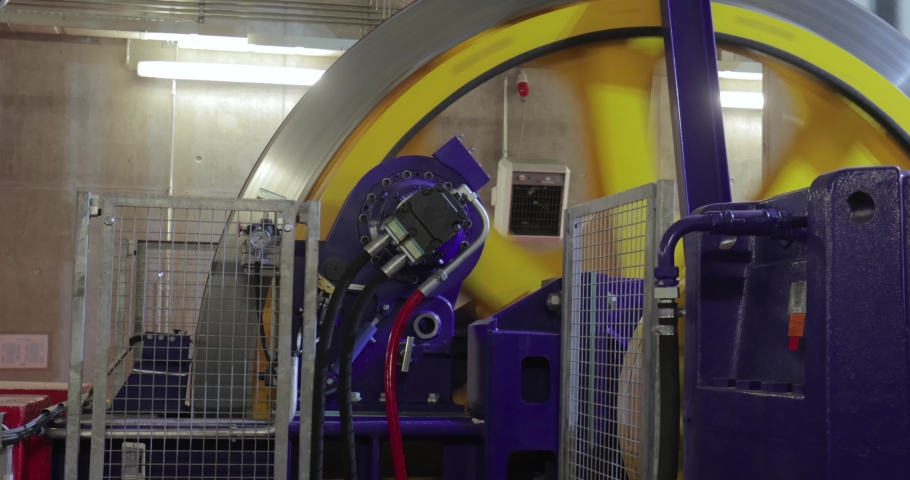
(182, 432)
(204, 9)
(300, 5)
(292, 17)
(160, 11)
(171, 428)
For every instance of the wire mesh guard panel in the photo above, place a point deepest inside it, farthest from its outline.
(605, 360)
(536, 210)
(193, 343)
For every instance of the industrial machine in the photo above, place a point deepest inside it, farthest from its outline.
(340, 353)
(208, 377)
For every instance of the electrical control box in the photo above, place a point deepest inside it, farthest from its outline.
(529, 199)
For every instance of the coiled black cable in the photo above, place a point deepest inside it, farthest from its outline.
(36, 426)
(322, 366)
(350, 325)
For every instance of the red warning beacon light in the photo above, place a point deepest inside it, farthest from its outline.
(523, 84)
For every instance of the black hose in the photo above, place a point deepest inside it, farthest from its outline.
(668, 447)
(36, 426)
(322, 365)
(350, 325)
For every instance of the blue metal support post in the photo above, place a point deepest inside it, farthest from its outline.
(701, 155)
(703, 179)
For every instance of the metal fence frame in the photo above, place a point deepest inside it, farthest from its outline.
(307, 213)
(661, 208)
(84, 202)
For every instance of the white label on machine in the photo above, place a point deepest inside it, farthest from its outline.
(23, 351)
(132, 461)
(797, 298)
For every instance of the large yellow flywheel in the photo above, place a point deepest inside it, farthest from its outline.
(850, 115)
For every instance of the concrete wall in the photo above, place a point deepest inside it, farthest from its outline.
(74, 116)
(553, 128)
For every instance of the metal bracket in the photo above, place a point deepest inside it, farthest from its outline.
(554, 301)
(94, 206)
(406, 354)
(666, 293)
(664, 330)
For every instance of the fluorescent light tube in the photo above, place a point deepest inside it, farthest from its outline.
(241, 45)
(747, 100)
(731, 75)
(217, 72)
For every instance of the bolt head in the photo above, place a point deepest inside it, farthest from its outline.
(554, 301)
(386, 307)
(108, 221)
(288, 227)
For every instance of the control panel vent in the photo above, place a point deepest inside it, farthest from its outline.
(529, 199)
(536, 210)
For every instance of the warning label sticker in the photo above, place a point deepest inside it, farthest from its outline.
(797, 325)
(23, 351)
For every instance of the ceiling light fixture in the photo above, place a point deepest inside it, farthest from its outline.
(745, 100)
(217, 72)
(733, 75)
(241, 45)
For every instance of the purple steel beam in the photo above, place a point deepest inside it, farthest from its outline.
(701, 153)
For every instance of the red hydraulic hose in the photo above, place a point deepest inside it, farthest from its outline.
(391, 391)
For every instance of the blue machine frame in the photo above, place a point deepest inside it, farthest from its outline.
(701, 152)
(767, 396)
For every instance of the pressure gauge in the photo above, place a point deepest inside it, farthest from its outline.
(260, 239)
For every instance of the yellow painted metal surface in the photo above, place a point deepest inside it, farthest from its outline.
(614, 79)
(264, 395)
(829, 132)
